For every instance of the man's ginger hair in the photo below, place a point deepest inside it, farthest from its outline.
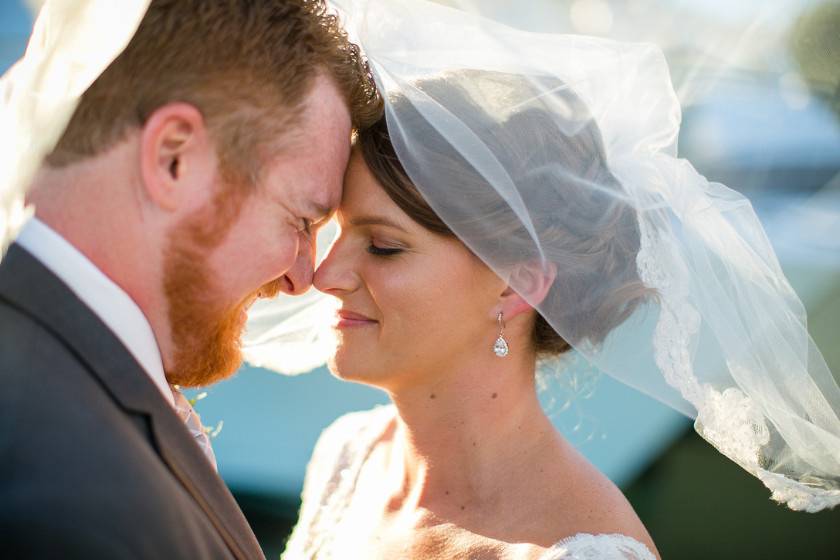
(247, 65)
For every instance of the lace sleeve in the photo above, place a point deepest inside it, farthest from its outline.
(336, 451)
(584, 546)
(323, 465)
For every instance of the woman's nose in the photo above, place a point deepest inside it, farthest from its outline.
(335, 274)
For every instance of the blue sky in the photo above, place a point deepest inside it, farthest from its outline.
(14, 17)
(15, 25)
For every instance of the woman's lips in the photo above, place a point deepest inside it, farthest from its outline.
(347, 319)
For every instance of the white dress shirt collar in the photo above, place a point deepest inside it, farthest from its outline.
(107, 300)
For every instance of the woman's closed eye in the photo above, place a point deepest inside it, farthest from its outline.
(374, 249)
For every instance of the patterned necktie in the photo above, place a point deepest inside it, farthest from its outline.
(190, 417)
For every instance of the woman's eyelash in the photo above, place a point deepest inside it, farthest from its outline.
(382, 251)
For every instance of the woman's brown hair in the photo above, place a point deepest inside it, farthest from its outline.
(593, 232)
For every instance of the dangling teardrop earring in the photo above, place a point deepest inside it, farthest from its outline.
(501, 348)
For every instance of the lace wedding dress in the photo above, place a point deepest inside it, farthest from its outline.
(331, 479)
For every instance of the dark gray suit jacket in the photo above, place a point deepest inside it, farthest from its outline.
(94, 463)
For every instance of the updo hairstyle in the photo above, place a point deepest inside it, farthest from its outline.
(592, 234)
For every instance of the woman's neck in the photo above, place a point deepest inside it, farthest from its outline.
(459, 440)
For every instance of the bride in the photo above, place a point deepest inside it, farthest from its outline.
(521, 200)
(465, 464)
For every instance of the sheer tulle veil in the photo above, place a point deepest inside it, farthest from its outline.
(691, 307)
(718, 333)
(72, 43)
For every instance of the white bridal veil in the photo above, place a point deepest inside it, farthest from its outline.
(71, 45)
(556, 154)
(551, 156)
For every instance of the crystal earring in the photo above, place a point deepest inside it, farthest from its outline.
(501, 348)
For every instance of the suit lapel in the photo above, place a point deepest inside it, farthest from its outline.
(29, 286)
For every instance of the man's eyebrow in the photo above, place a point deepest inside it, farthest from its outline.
(375, 221)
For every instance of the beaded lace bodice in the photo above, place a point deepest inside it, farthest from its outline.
(330, 482)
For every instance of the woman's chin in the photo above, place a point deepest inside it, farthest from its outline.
(353, 367)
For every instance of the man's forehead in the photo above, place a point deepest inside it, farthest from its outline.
(313, 180)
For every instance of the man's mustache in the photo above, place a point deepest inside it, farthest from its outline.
(270, 290)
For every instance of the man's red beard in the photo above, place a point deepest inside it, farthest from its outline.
(206, 329)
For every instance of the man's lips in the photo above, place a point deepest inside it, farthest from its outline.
(352, 319)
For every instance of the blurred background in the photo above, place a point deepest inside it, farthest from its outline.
(760, 86)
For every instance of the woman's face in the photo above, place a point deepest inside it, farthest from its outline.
(414, 304)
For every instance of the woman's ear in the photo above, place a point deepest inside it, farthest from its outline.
(528, 285)
(173, 153)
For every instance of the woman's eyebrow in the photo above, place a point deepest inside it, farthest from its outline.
(375, 221)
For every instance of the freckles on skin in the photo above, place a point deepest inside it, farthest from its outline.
(432, 302)
(256, 250)
(424, 298)
(313, 171)
(420, 289)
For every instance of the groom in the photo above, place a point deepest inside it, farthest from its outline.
(189, 182)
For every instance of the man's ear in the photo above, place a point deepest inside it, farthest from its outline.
(528, 285)
(174, 149)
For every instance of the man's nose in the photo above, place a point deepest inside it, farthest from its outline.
(299, 277)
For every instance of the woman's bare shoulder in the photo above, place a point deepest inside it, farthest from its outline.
(598, 507)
